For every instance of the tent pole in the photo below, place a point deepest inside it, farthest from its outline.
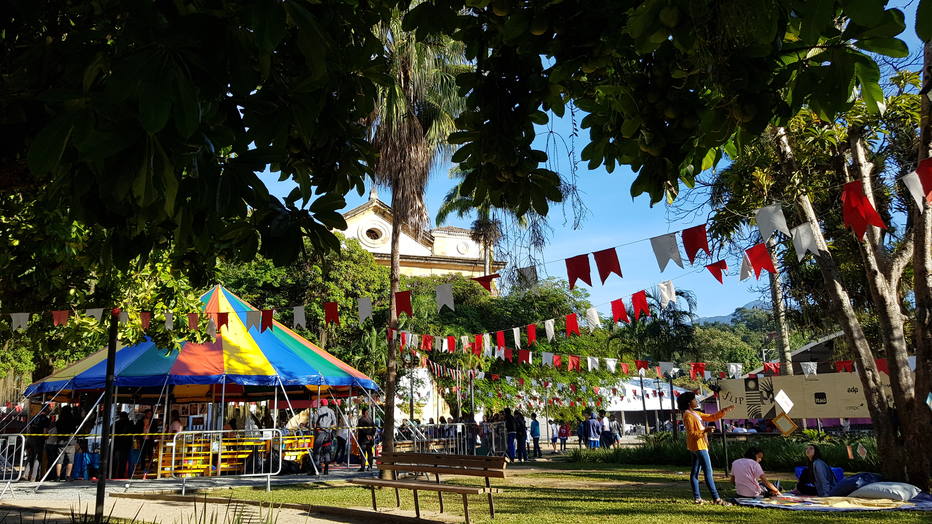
(139, 457)
(165, 430)
(275, 407)
(223, 423)
(346, 424)
(45, 404)
(116, 396)
(644, 403)
(291, 409)
(70, 440)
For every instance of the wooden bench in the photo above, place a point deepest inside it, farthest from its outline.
(436, 465)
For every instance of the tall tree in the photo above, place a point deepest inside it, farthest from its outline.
(411, 120)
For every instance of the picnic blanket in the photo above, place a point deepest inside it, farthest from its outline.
(922, 502)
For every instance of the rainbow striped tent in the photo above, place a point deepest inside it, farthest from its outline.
(240, 360)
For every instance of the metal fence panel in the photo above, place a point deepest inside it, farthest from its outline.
(244, 453)
(12, 460)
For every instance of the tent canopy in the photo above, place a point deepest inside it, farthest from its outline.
(239, 355)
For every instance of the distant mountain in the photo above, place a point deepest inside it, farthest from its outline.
(728, 319)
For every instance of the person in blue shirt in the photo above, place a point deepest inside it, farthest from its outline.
(817, 478)
(595, 431)
(535, 435)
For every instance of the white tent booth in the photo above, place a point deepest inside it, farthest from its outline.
(635, 405)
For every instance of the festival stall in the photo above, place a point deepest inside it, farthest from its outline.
(247, 362)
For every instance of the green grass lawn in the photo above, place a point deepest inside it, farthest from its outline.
(569, 493)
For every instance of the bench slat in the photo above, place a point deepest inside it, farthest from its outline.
(420, 486)
(452, 460)
(490, 473)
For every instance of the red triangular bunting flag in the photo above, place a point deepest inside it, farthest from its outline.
(427, 343)
(495, 377)
(222, 320)
(477, 345)
(403, 303)
(772, 367)
(640, 364)
(557, 361)
(509, 355)
(625, 368)
(60, 317)
(404, 339)
(331, 313)
(759, 257)
(882, 365)
(192, 321)
(695, 239)
(844, 365)
(696, 369)
(531, 334)
(572, 324)
(717, 268)
(268, 320)
(577, 268)
(857, 211)
(486, 281)
(619, 313)
(607, 263)
(500, 339)
(145, 318)
(451, 344)
(639, 303)
(524, 356)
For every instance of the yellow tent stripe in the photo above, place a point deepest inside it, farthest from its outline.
(241, 354)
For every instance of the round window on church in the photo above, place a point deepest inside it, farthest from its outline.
(373, 233)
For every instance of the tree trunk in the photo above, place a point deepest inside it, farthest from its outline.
(920, 468)
(779, 317)
(487, 258)
(391, 364)
(882, 413)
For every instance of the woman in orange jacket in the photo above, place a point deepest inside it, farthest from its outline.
(698, 445)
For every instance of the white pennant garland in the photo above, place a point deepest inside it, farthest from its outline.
(665, 250)
(124, 317)
(18, 321)
(804, 241)
(253, 320)
(95, 313)
(299, 319)
(516, 332)
(169, 321)
(735, 369)
(546, 359)
(809, 368)
(769, 219)
(211, 328)
(592, 318)
(666, 367)
(746, 270)
(611, 364)
(914, 185)
(548, 328)
(444, 294)
(365, 308)
(527, 276)
(593, 363)
(667, 293)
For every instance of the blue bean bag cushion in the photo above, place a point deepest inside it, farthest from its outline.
(887, 490)
(849, 484)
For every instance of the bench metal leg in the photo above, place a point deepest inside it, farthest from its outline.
(466, 508)
(440, 494)
(397, 495)
(488, 486)
(417, 505)
(374, 508)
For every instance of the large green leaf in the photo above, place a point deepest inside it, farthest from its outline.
(924, 20)
(868, 74)
(47, 148)
(154, 107)
(892, 47)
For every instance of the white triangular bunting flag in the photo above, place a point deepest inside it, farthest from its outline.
(95, 313)
(527, 276)
(169, 321)
(804, 241)
(746, 270)
(488, 351)
(592, 318)
(18, 321)
(517, 336)
(414, 341)
(548, 328)
(211, 328)
(444, 347)
(769, 219)
(253, 320)
(809, 368)
(464, 342)
(665, 250)
(530, 357)
(299, 319)
(546, 358)
(486, 341)
(365, 308)
(667, 293)
(914, 185)
(500, 353)
(593, 363)
(480, 375)
(735, 369)
(666, 367)
(444, 294)
(124, 317)
(611, 364)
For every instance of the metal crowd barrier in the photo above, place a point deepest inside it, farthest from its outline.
(243, 453)
(12, 460)
(454, 439)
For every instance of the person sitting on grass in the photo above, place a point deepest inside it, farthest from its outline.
(698, 445)
(817, 477)
(748, 476)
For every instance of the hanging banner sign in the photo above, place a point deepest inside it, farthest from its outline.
(830, 395)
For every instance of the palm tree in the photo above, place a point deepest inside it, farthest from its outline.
(409, 126)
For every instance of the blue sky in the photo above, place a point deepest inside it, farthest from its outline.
(615, 218)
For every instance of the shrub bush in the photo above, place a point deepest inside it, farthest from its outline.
(780, 453)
